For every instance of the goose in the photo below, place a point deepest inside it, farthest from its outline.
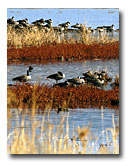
(50, 21)
(39, 22)
(19, 26)
(77, 26)
(76, 81)
(62, 84)
(109, 28)
(103, 73)
(97, 73)
(88, 74)
(30, 68)
(96, 82)
(100, 29)
(24, 78)
(65, 25)
(48, 25)
(23, 21)
(57, 76)
(11, 20)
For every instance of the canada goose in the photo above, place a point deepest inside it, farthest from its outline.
(30, 68)
(76, 81)
(88, 74)
(24, 78)
(65, 25)
(109, 28)
(96, 82)
(57, 76)
(24, 24)
(39, 22)
(50, 21)
(97, 73)
(62, 84)
(76, 25)
(48, 25)
(11, 20)
(59, 29)
(23, 21)
(19, 26)
(100, 29)
(103, 73)
(104, 76)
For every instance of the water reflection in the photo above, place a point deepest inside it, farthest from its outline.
(95, 119)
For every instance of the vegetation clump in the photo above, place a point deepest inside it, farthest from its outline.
(72, 97)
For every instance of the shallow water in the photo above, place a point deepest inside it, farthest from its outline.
(97, 120)
(70, 69)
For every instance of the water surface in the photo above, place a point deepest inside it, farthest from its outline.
(97, 120)
(70, 69)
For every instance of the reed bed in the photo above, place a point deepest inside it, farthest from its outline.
(26, 38)
(35, 36)
(64, 52)
(39, 45)
(69, 97)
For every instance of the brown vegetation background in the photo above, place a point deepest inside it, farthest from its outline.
(65, 52)
(69, 97)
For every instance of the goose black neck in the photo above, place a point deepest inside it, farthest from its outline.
(27, 72)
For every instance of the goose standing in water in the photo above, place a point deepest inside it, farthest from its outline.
(57, 76)
(25, 77)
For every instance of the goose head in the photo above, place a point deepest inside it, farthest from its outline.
(61, 74)
(30, 68)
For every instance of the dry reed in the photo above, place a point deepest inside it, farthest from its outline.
(19, 38)
(53, 140)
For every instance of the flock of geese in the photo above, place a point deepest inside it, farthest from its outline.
(47, 24)
(95, 78)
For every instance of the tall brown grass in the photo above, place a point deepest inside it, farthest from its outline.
(34, 37)
(19, 38)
